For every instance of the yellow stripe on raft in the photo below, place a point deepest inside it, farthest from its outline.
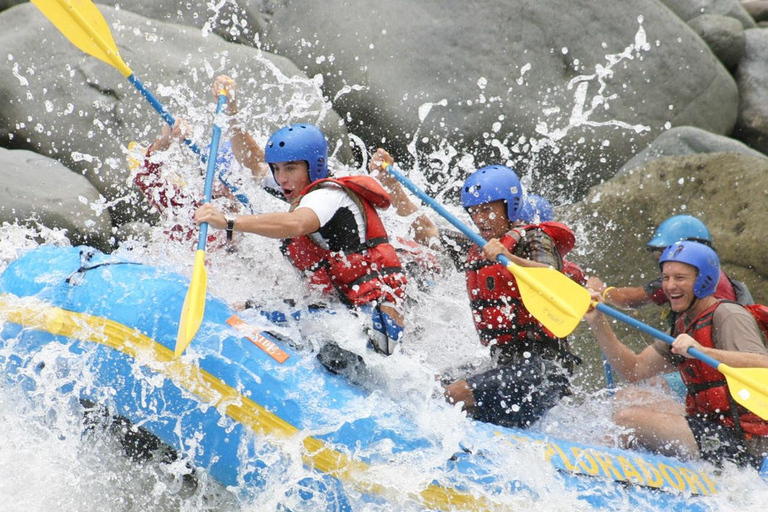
(38, 315)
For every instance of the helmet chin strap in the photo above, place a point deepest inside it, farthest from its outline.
(690, 306)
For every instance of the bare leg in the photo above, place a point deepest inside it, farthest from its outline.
(659, 432)
(636, 396)
(460, 391)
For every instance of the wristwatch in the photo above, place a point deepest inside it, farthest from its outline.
(230, 225)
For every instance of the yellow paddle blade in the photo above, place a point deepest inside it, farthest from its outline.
(749, 387)
(83, 24)
(194, 305)
(135, 155)
(554, 299)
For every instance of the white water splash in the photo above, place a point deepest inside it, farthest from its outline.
(587, 103)
(55, 466)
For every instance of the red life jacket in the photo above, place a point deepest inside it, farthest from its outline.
(708, 392)
(497, 308)
(561, 234)
(575, 272)
(372, 271)
(564, 241)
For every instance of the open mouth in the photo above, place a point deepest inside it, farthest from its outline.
(675, 297)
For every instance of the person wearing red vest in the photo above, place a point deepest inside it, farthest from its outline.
(671, 230)
(712, 427)
(529, 376)
(332, 233)
(167, 192)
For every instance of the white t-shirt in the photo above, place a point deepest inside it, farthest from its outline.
(342, 226)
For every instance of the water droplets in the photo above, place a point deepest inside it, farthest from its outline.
(22, 79)
(527, 67)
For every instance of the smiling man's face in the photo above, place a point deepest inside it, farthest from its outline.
(677, 280)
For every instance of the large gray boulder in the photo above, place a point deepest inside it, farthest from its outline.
(39, 191)
(683, 141)
(6, 4)
(723, 35)
(61, 102)
(725, 190)
(752, 78)
(758, 9)
(567, 89)
(689, 9)
(230, 20)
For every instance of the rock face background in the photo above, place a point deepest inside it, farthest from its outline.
(727, 191)
(37, 190)
(571, 96)
(641, 89)
(63, 103)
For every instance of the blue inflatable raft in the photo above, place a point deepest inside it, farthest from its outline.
(240, 401)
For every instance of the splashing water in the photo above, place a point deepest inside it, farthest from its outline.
(57, 465)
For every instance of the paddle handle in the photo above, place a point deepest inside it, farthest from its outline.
(235, 190)
(608, 372)
(472, 235)
(666, 338)
(210, 172)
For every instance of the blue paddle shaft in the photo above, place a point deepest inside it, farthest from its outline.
(442, 211)
(666, 338)
(698, 354)
(608, 372)
(211, 171)
(167, 117)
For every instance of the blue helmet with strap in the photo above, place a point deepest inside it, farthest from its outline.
(299, 142)
(534, 209)
(677, 228)
(490, 184)
(698, 255)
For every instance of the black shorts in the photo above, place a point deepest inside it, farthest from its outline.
(518, 395)
(718, 443)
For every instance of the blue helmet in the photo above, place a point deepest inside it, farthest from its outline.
(677, 228)
(698, 255)
(490, 184)
(534, 209)
(296, 143)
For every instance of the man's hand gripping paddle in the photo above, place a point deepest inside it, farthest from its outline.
(559, 304)
(748, 386)
(550, 296)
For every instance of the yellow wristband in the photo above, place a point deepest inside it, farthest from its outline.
(605, 292)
